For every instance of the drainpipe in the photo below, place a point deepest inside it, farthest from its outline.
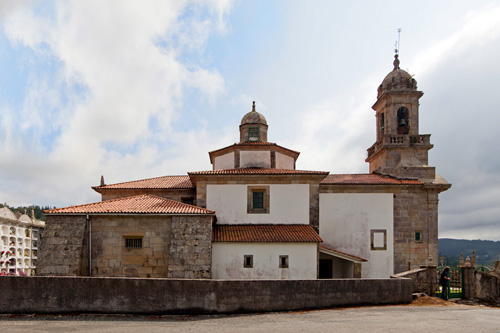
(89, 224)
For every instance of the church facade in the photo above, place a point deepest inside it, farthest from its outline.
(255, 216)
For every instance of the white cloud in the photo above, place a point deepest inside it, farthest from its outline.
(479, 27)
(116, 80)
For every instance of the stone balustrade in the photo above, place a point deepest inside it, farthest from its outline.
(400, 141)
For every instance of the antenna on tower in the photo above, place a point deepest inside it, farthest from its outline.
(397, 45)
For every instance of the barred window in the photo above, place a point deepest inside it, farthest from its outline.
(134, 243)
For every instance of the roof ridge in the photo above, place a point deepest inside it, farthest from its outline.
(275, 170)
(108, 200)
(103, 205)
(139, 180)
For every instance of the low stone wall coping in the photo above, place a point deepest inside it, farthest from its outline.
(186, 296)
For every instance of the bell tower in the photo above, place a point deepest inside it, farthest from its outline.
(400, 150)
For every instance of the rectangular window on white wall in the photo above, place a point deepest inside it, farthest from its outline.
(378, 239)
(283, 261)
(248, 261)
(258, 200)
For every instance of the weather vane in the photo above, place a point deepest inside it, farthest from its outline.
(397, 45)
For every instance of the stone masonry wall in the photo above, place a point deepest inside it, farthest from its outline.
(172, 246)
(62, 249)
(424, 279)
(185, 296)
(111, 258)
(191, 247)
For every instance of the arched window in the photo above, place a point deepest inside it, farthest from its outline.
(403, 120)
(382, 123)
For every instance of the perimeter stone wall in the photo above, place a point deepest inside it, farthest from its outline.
(170, 296)
(424, 279)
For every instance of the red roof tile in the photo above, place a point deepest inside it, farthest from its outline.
(265, 233)
(139, 204)
(257, 171)
(174, 182)
(342, 253)
(366, 179)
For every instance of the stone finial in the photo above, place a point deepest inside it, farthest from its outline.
(33, 213)
(467, 262)
(442, 260)
(396, 61)
(253, 106)
(497, 266)
(461, 263)
(102, 181)
(473, 261)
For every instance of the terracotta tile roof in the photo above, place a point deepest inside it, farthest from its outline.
(174, 182)
(265, 233)
(257, 171)
(139, 204)
(343, 254)
(366, 179)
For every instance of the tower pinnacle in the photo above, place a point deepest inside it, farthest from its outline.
(396, 61)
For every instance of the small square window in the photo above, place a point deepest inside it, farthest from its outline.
(418, 236)
(283, 261)
(248, 261)
(133, 243)
(378, 239)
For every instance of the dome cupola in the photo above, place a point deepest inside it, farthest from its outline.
(253, 127)
(397, 80)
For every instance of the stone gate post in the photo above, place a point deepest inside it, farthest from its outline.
(431, 271)
(469, 291)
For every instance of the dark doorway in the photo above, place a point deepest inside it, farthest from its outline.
(325, 269)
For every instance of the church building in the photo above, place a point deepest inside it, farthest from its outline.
(255, 216)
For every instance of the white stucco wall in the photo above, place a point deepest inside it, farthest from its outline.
(345, 221)
(260, 159)
(288, 204)
(227, 260)
(284, 162)
(224, 162)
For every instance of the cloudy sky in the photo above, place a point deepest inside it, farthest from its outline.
(139, 89)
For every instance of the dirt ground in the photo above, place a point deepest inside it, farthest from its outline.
(425, 300)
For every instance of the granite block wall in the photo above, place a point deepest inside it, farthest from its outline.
(172, 296)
